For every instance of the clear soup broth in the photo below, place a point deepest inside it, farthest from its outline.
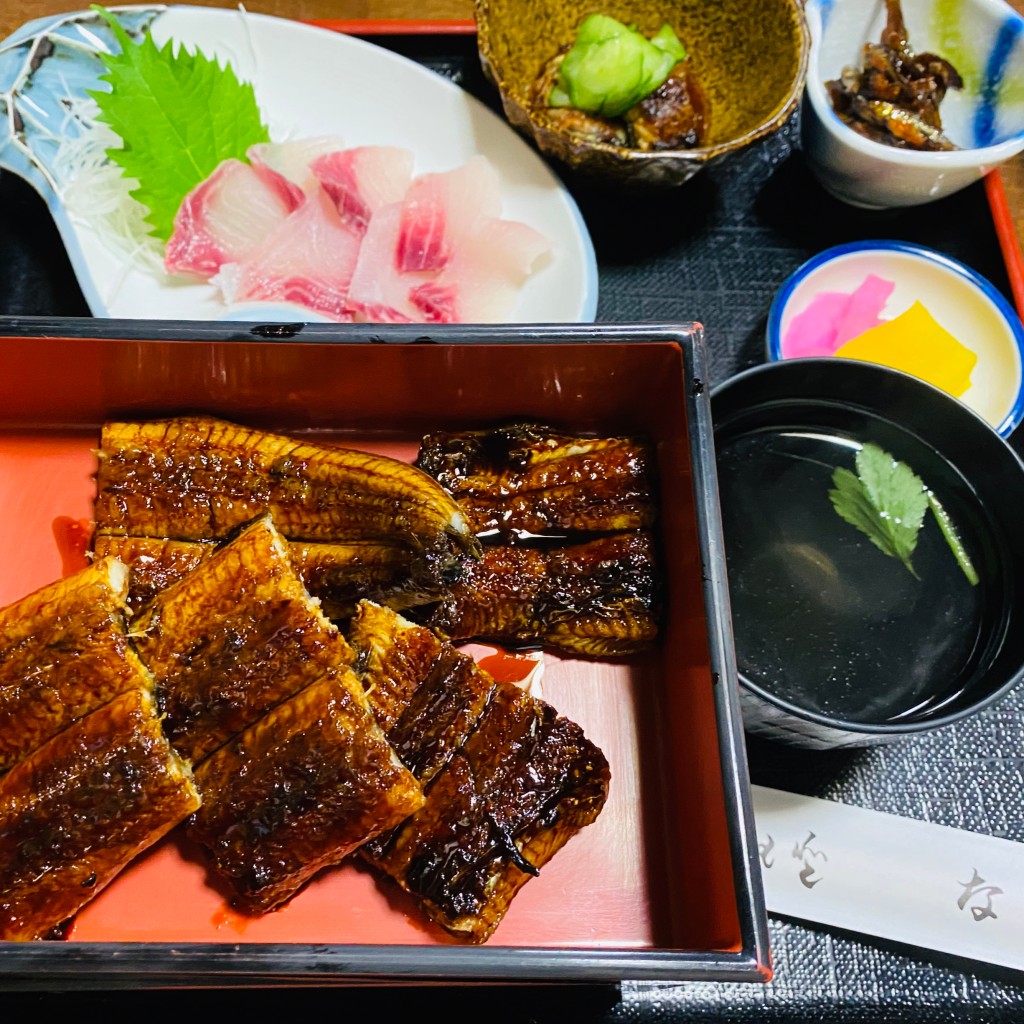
(823, 619)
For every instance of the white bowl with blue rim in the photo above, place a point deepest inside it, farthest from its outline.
(960, 300)
(983, 39)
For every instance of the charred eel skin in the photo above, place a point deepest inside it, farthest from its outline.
(527, 477)
(525, 782)
(80, 807)
(338, 575)
(234, 637)
(599, 598)
(197, 478)
(508, 781)
(64, 651)
(426, 696)
(299, 790)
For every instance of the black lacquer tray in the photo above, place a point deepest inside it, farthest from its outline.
(713, 251)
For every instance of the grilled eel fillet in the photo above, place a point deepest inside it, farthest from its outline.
(64, 652)
(234, 637)
(80, 807)
(598, 598)
(298, 790)
(530, 478)
(338, 575)
(426, 695)
(197, 478)
(511, 781)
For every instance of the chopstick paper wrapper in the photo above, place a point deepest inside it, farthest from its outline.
(896, 878)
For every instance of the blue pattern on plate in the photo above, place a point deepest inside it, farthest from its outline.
(41, 64)
(995, 69)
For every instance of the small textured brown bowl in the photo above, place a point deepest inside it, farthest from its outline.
(751, 61)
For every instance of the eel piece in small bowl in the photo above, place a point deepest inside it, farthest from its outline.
(749, 67)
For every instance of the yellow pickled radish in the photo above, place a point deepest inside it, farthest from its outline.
(916, 343)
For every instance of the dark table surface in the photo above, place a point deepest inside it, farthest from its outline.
(714, 251)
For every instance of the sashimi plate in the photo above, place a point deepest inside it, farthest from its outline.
(309, 82)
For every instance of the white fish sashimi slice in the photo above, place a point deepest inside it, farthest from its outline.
(482, 279)
(224, 217)
(440, 208)
(380, 289)
(363, 179)
(444, 254)
(293, 158)
(308, 259)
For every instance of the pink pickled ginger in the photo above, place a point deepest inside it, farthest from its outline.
(833, 318)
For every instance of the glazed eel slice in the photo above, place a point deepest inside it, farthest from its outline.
(232, 638)
(516, 781)
(197, 478)
(530, 478)
(300, 789)
(426, 696)
(338, 575)
(64, 651)
(599, 598)
(81, 806)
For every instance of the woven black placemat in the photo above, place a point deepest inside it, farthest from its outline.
(714, 251)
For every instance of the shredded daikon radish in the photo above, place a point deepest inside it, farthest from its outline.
(96, 194)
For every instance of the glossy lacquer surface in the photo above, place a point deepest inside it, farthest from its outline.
(663, 872)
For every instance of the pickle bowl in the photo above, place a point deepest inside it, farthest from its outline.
(847, 635)
(750, 72)
(984, 119)
(911, 308)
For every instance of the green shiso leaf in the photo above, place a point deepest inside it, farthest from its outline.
(887, 502)
(611, 66)
(178, 114)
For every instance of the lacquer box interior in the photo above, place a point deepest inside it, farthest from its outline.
(664, 885)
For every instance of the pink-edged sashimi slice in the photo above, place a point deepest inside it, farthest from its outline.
(482, 279)
(379, 290)
(363, 179)
(308, 259)
(292, 159)
(441, 208)
(225, 216)
(444, 253)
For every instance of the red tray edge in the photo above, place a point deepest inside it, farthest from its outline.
(394, 26)
(1006, 232)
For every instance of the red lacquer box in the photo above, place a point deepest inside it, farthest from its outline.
(664, 885)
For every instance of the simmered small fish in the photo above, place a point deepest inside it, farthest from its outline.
(894, 97)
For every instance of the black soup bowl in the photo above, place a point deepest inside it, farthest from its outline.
(843, 636)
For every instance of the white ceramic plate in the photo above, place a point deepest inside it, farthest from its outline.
(308, 82)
